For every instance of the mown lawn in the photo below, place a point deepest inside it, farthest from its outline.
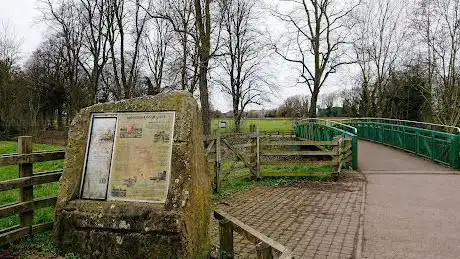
(43, 190)
(263, 124)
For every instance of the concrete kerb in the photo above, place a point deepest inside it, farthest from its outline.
(360, 239)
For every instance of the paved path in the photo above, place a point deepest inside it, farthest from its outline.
(412, 205)
(314, 219)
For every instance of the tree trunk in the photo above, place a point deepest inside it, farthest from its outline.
(184, 63)
(204, 98)
(366, 101)
(237, 121)
(236, 114)
(60, 125)
(204, 47)
(313, 101)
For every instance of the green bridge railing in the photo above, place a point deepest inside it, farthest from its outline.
(415, 124)
(437, 142)
(325, 130)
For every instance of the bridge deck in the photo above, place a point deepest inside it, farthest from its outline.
(412, 205)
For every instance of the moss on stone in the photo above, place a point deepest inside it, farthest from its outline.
(176, 229)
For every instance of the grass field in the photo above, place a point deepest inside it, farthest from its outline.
(238, 179)
(264, 124)
(40, 245)
(43, 190)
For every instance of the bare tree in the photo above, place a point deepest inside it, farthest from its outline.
(422, 23)
(156, 49)
(317, 42)
(377, 45)
(9, 44)
(126, 22)
(95, 43)
(203, 26)
(9, 50)
(181, 16)
(200, 35)
(46, 70)
(436, 24)
(184, 62)
(360, 26)
(329, 100)
(66, 19)
(446, 50)
(242, 58)
(351, 102)
(294, 107)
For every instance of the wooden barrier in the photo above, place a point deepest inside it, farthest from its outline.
(215, 144)
(335, 153)
(25, 183)
(266, 247)
(288, 133)
(266, 150)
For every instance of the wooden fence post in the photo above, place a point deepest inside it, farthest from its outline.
(257, 153)
(264, 251)
(254, 154)
(338, 156)
(26, 193)
(217, 164)
(225, 239)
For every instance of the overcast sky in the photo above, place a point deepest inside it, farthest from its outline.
(24, 17)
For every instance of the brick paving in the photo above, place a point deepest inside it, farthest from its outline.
(313, 219)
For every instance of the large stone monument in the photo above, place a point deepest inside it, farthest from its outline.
(135, 182)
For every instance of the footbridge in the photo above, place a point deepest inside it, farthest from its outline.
(412, 194)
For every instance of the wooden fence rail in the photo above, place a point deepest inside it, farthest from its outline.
(262, 150)
(25, 183)
(334, 153)
(266, 247)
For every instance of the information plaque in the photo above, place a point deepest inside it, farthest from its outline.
(99, 157)
(139, 167)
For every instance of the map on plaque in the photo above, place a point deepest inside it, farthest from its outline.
(140, 164)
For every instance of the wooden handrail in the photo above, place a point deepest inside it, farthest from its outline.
(31, 158)
(265, 246)
(27, 206)
(35, 179)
